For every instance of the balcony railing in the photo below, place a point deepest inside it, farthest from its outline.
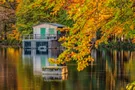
(40, 36)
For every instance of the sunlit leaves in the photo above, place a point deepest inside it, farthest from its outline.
(111, 17)
(130, 86)
(14, 35)
(31, 12)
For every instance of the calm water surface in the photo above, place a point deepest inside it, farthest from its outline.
(22, 70)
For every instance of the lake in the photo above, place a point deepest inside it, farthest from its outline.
(22, 70)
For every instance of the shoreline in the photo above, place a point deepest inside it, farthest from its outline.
(14, 46)
(110, 45)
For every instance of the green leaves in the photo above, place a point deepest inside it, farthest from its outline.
(33, 12)
(84, 18)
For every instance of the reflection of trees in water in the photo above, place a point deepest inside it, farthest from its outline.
(107, 73)
(7, 72)
(112, 69)
(116, 75)
(109, 70)
(98, 71)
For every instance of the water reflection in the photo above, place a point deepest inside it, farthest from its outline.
(22, 70)
(55, 77)
(41, 65)
(114, 68)
(38, 59)
(8, 70)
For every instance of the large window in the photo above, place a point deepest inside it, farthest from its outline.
(27, 44)
(51, 31)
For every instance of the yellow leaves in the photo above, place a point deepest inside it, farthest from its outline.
(83, 63)
(19, 6)
(65, 29)
(130, 86)
(89, 17)
(78, 1)
(132, 27)
(3, 1)
(14, 35)
(52, 60)
(63, 38)
(55, 3)
(97, 43)
(117, 30)
(9, 1)
(104, 17)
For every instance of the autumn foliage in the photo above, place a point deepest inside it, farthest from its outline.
(111, 17)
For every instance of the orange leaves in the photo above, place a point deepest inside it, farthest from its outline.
(90, 16)
(66, 29)
(76, 1)
(14, 35)
(83, 63)
(118, 30)
(2, 1)
(62, 39)
(18, 1)
(104, 17)
(55, 3)
(132, 26)
(133, 40)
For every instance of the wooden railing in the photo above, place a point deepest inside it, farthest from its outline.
(40, 36)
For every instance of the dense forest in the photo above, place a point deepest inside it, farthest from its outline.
(89, 23)
(18, 17)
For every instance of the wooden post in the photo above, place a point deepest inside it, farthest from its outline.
(5, 30)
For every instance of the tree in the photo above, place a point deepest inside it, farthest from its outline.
(7, 18)
(8, 31)
(26, 13)
(111, 17)
(31, 12)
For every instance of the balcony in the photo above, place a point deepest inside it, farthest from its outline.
(40, 37)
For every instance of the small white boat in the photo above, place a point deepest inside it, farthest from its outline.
(42, 48)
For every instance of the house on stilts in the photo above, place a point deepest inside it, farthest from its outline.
(45, 35)
(36, 47)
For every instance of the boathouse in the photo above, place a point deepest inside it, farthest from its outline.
(45, 35)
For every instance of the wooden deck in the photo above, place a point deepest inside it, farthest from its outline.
(51, 70)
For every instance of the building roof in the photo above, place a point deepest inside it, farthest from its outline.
(53, 24)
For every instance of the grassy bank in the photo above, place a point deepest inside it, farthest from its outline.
(10, 43)
(118, 45)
